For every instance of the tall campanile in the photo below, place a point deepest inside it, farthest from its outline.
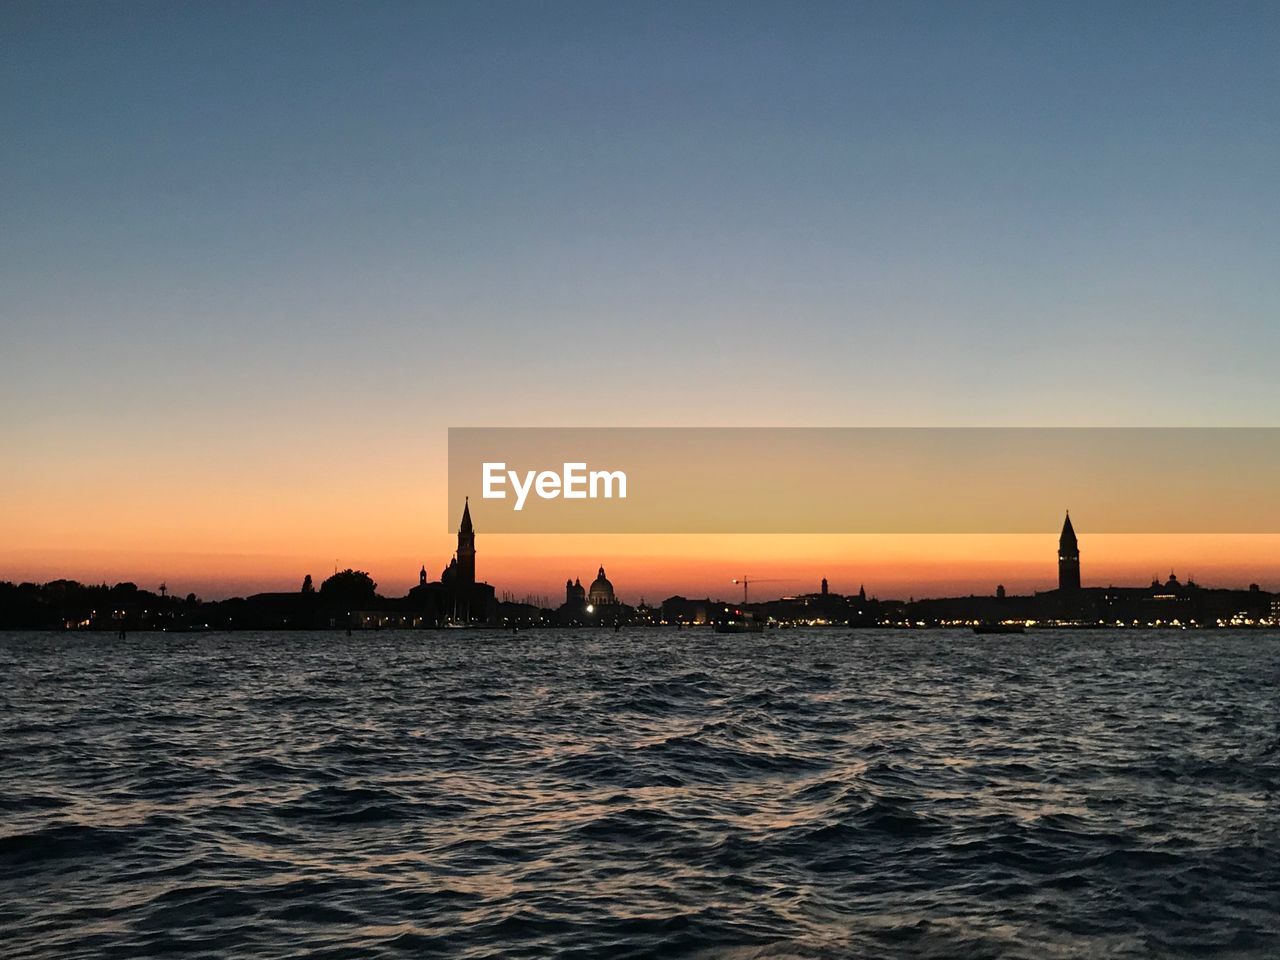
(466, 551)
(1068, 558)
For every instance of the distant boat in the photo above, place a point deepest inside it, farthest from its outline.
(999, 628)
(739, 621)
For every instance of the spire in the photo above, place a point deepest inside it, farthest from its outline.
(1068, 558)
(1068, 538)
(466, 517)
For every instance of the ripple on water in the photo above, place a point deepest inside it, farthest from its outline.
(817, 794)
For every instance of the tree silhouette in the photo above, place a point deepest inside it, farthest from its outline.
(307, 585)
(350, 588)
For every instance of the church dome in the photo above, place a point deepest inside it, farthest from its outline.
(601, 589)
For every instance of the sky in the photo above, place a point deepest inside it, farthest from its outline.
(257, 259)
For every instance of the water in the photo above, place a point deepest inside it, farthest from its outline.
(644, 794)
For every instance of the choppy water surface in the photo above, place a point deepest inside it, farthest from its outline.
(657, 794)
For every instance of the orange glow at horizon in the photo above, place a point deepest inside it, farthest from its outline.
(655, 567)
(253, 525)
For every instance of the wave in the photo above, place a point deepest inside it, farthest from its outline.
(642, 794)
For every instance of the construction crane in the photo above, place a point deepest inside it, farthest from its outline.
(747, 581)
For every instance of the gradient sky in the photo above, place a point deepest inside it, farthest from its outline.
(256, 258)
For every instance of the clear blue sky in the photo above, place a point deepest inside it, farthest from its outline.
(1054, 197)
(225, 221)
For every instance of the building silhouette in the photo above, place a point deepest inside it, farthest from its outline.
(466, 549)
(350, 600)
(601, 594)
(597, 604)
(824, 606)
(1068, 558)
(456, 598)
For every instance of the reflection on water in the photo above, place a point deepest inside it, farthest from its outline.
(802, 794)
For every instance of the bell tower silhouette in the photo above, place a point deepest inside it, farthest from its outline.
(466, 550)
(1068, 558)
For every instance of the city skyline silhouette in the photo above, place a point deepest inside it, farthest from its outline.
(349, 599)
